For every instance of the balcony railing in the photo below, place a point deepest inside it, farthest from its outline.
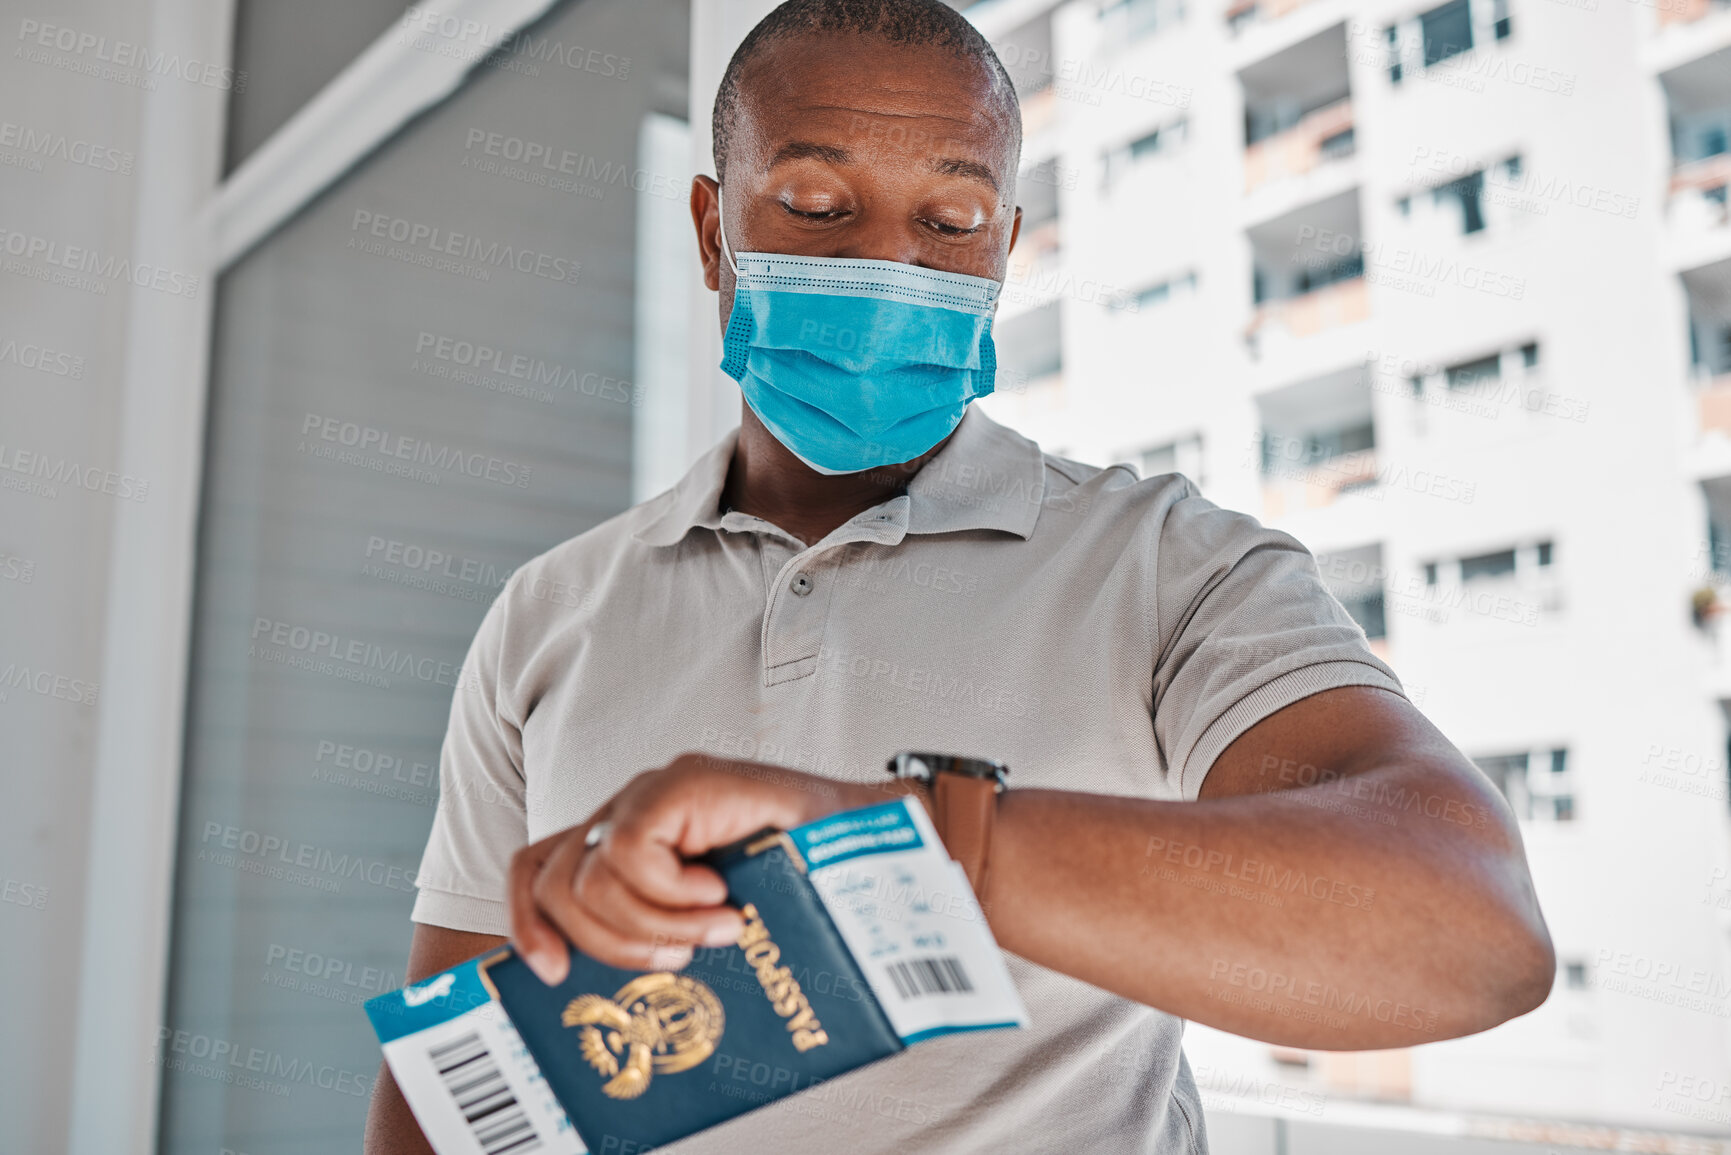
(1324, 134)
(1035, 272)
(1713, 403)
(1040, 241)
(1039, 110)
(1291, 486)
(1686, 11)
(1027, 394)
(1699, 191)
(1240, 14)
(1341, 303)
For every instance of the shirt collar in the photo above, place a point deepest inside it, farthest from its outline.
(987, 476)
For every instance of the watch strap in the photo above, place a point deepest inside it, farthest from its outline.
(962, 796)
(965, 811)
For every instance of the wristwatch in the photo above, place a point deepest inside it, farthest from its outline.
(963, 795)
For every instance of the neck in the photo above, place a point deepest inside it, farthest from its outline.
(766, 481)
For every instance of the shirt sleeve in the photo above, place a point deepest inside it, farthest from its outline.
(1244, 627)
(481, 818)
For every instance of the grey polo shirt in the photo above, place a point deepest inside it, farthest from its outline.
(1094, 631)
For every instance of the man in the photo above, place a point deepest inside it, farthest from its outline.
(1221, 805)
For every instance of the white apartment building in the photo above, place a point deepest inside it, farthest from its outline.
(1443, 290)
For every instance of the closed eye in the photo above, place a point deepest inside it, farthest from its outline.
(950, 230)
(822, 215)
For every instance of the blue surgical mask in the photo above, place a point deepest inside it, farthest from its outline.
(857, 364)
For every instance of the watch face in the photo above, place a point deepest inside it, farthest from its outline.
(908, 764)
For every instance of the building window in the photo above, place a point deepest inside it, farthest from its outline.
(1561, 800)
(1183, 456)
(1471, 373)
(1447, 31)
(1508, 773)
(1313, 277)
(1522, 575)
(1367, 610)
(1131, 19)
(1355, 579)
(1462, 200)
(1468, 192)
(1312, 448)
(1536, 784)
(1483, 375)
(1163, 141)
(1488, 565)
(1444, 32)
(1167, 290)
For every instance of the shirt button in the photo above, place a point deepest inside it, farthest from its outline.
(801, 585)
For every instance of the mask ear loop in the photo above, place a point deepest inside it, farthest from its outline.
(721, 229)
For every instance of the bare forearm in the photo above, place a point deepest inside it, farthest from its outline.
(391, 1126)
(1278, 916)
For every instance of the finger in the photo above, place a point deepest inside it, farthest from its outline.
(604, 944)
(570, 881)
(698, 805)
(605, 893)
(538, 941)
(658, 873)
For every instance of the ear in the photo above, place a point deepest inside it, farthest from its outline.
(1015, 229)
(706, 218)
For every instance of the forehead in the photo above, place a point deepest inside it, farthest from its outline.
(864, 92)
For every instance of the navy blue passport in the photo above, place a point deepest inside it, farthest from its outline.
(639, 1059)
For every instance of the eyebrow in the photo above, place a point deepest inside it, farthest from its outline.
(973, 170)
(801, 149)
(830, 154)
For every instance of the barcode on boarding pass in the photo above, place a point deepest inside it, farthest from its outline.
(929, 976)
(472, 1076)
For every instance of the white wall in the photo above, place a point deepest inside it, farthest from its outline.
(91, 730)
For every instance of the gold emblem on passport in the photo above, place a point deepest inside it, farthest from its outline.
(660, 1023)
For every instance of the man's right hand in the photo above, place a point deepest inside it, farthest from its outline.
(391, 1126)
(632, 897)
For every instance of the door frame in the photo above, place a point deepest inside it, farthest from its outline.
(189, 216)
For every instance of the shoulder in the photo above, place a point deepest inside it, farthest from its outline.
(1163, 518)
(1113, 494)
(575, 572)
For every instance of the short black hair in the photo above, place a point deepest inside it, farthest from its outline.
(918, 23)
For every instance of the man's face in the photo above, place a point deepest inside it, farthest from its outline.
(849, 146)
